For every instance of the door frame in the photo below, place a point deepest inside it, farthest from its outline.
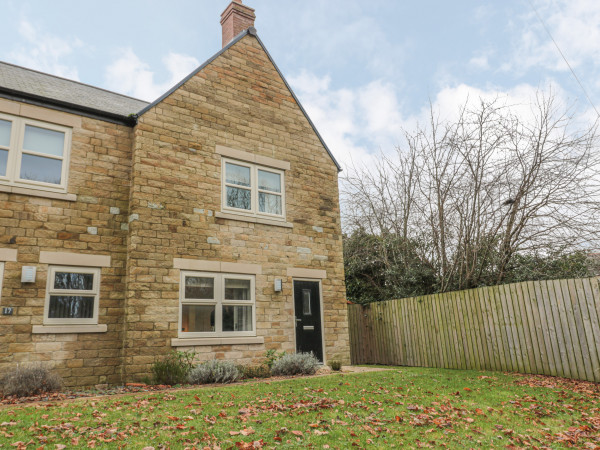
(319, 281)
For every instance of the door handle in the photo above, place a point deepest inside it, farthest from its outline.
(298, 320)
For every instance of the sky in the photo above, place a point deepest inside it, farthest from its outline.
(364, 70)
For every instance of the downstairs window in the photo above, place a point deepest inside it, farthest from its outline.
(72, 295)
(216, 305)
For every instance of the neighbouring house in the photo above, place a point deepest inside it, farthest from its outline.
(208, 220)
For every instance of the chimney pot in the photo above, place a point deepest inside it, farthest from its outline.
(236, 18)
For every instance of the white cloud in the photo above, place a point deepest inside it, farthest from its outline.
(479, 62)
(380, 108)
(361, 124)
(44, 52)
(519, 98)
(128, 74)
(574, 25)
(355, 123)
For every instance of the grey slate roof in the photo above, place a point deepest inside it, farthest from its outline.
(27, 81)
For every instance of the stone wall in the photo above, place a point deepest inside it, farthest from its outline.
(99, 175)
(238, 101)
(148, 195)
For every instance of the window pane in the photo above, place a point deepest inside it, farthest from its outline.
(237, 289)
(306, 302)
(70, 307)
(5, 126)
(238, 198)
(269, 203)
(38, 168)
(44, 141)
(197, 318)
(237, 318)
(3, 162)
(269, 181)
(69, 280)
(200, 288)
(235, 174)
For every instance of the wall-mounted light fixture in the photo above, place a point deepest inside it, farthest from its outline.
(278, 285)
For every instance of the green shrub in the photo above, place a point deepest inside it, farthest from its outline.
(272, 356)
(173, 368)
(295, 364)
(335, 365)
(214, 371)
(26, 381)
(257, 371)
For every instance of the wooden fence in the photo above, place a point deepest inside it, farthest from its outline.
(541, 327)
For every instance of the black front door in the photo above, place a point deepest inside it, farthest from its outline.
(307, 305)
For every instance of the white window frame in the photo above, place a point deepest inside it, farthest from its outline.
(253, 211)
(218, 301)
(94, 292)
(16, 151)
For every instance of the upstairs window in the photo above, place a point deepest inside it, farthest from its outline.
(253, 190)
(33, 154)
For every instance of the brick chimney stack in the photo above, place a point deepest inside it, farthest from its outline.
(235, 19)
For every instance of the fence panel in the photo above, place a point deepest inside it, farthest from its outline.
(543, 327)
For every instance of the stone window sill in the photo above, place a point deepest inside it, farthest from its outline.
(38, 193)
(68, 329)
(251, 219)
(194, 342)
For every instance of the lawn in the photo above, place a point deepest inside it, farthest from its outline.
(401, 407)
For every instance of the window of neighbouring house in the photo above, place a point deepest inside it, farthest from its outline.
(217, 305)
(72, 295)
(33, 154)
(254, 190)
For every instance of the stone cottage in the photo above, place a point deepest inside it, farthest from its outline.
(208, 220)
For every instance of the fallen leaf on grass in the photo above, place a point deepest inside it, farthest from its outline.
(370, 430)
(249, 445)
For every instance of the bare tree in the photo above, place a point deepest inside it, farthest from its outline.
(475, 192)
